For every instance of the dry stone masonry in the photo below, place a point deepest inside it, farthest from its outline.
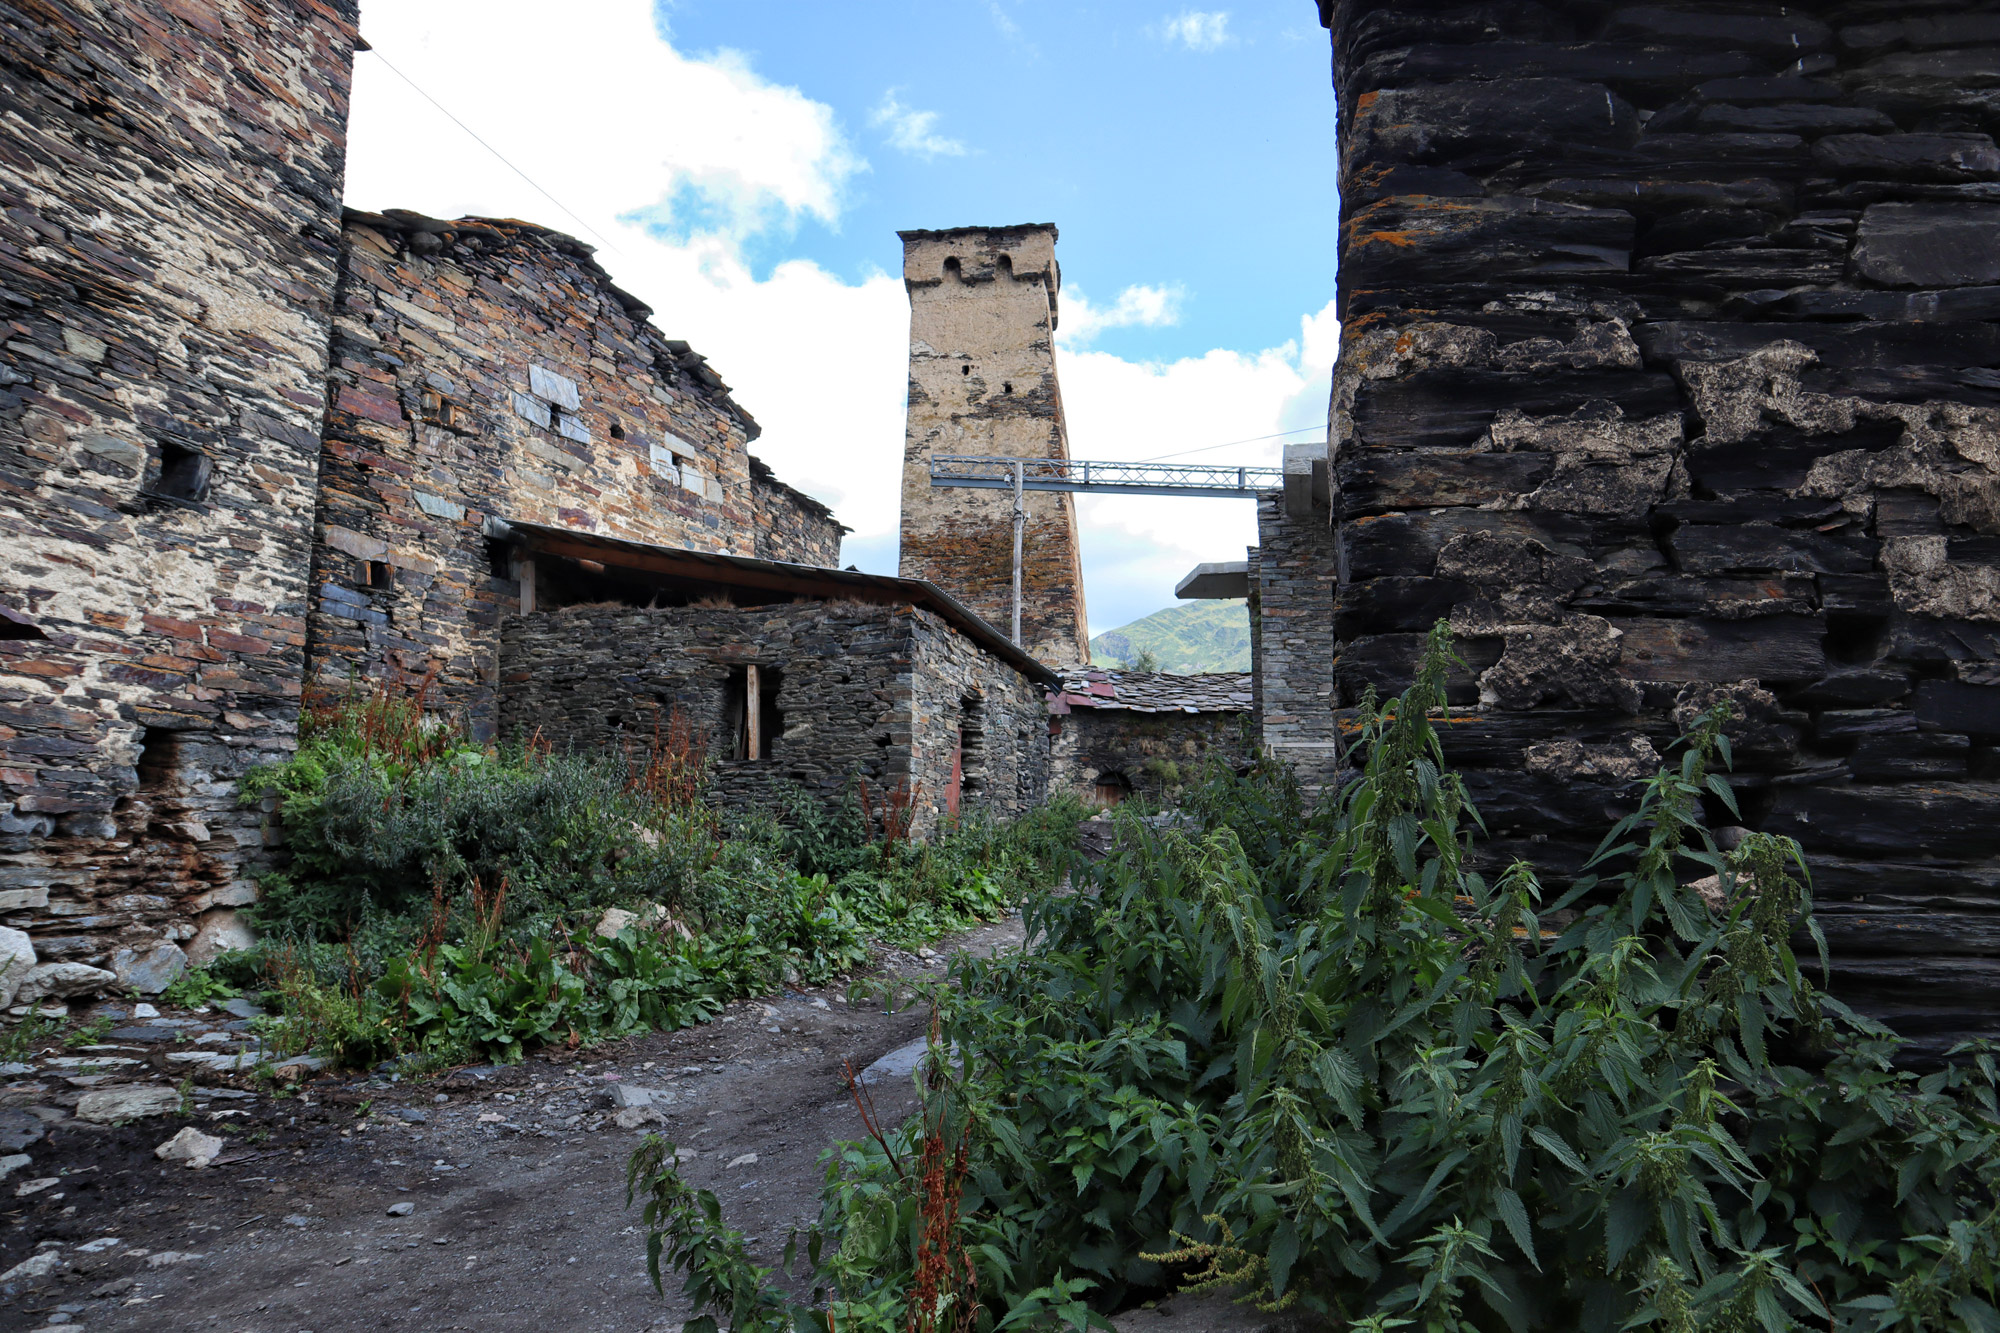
(983, 381)
(490, 370)
(887, 695)
(170, 172)
(1118, 734)
(1670, 375)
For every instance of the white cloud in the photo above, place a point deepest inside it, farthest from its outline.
(1136, 548)
(1198, 30)
(1136, 307)
(913, 131)
(673, 162)
(678, 161)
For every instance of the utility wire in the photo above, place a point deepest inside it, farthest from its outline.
(495, 151)
(1210, 448)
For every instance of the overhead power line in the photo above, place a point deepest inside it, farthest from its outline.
(495, 151)
(1210, 448)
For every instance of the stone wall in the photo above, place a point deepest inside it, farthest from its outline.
(1669, 373)
(1292, 605)
(1151, 755)
(957, 690)
(490, 370)
(791, 525)
(864, 691)
(983, 381)
(170, 173)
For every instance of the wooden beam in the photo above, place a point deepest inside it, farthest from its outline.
(753, 713)
(524, 570)
(672, 567)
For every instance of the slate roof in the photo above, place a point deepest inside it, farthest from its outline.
(1152, 692)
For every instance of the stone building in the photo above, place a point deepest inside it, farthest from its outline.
(490, 370)
(1119, 734)
(250, 444)
(171, 177)
(816, 678)
(1670, 374)
(983, 382)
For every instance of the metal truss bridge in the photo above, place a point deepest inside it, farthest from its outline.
(1000, 473)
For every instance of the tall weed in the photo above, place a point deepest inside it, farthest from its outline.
(1330, 1058)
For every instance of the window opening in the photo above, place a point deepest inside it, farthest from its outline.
(159, 761)
(617, 431)
(439, 410)
(1111, 789)
(184, 474)
(972, 747)
(14, 625)
(375, 575)
(750, 710)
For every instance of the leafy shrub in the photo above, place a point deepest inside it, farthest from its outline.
(1330, 1058)
(430, 879)
(197, 987)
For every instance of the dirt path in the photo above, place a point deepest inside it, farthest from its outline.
(514, 1180)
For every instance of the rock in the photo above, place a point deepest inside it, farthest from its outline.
(28, 1187)
(613, 921)
(143, 1010)
(191, 1146)
(147, 1034)
(747, 1159)
(61, 980)
(131, 1101)
(298, 1066)
(40, 1265)
(627, 1094)
(17, 959)
(10, 1068)
(412, 1115)
(242, 1008)
(168, 1258)
(298, 1220)
(18, 1129)
(117, 1286)
(403, 1209)
(12, 1163)
(149, 971)
(632, 1117)
(219, 930)
(100, 1245)
(899, 1063)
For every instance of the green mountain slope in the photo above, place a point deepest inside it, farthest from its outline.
(1189, 638)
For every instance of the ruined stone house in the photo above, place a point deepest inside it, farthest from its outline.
(251, 445)
(1670, 374)
(1114, 735)
(488, 371)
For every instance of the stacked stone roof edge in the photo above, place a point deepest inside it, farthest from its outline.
(515, 231)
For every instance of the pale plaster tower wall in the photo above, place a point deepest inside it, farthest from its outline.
(983, 381)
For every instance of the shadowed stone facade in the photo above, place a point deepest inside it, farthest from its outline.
(791, 525)
(1118, 734)
(889, 695)
(490, 370)
(1670, 374)
(171, 176)
(983, 381)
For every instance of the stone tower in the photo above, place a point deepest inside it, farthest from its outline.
(983, 381)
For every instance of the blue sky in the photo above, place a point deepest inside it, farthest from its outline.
(1174, 147)
(744, 166)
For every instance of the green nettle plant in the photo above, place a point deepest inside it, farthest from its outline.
(1329, 1062)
